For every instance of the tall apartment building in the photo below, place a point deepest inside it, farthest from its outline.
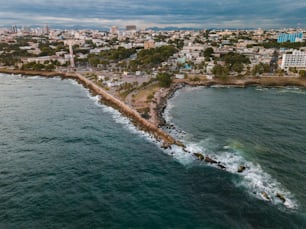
(292, 37)
(130, 28)
(295, 60)
(114, 30)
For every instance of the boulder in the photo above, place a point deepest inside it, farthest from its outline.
(178, 143)
(199, 156)
(165, 145)
(221, 166)
(241, 168)
(210, 160)
(281, 197)
(265, 196)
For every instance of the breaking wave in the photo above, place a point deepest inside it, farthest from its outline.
(254, 179)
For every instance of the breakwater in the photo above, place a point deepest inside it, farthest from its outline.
(127, 111)
(163, 136)
(108, 99)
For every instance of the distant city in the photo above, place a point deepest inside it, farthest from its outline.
(267, 52)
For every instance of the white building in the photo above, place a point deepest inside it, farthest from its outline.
(295, 60)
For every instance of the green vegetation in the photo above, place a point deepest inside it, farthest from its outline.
(164, 79)
(11, 53)
(302, 73)
(160, 38)
(117, 54)
(46, 50)
(113, 55)
(149, 58)
(207, 53)
(177, 43)
(220, 71)
(273, 44)
(235, 61)
(260, 69)
(37, 66)
(150, 97)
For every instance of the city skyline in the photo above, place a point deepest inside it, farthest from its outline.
(190, 14)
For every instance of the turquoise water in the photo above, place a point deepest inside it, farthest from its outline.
(68, 162)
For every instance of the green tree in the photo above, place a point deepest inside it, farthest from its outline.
(164, 79)
(220, 71)
(208, 52)
(231, 59)
(302, 73)
(260, 69)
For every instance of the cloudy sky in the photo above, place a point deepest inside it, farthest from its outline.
(161, 13)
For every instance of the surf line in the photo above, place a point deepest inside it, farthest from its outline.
(166, 140)
(160, 135)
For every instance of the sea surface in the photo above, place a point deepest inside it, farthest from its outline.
(67, 161)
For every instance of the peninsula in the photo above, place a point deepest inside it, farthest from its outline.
(137, 75)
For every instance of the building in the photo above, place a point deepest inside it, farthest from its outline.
(14, 29)
(114, 30)
(297, 59)
(46, 30)
(149, 44)
(130, 28)
(292, 37)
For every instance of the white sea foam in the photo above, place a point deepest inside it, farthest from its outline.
(261, 89)
(293, 90)
(34, 77)
(75, 83)
(254, 178)
(175, 151)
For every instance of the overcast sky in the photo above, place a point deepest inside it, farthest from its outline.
(161, 13)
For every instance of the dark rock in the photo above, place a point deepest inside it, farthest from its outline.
(209, 160)
(185, 150)
(165, 145)
(199, 156)
(281, 197)
(265, 196)
(221, 166)
(241, 168)
(178, 143)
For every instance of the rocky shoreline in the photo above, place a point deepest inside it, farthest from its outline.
(155, 129)
(108, 99)
(271, 82)
(168, 93)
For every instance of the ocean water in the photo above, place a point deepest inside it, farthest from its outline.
(68, 162)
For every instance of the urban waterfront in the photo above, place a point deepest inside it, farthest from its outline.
(67, 161)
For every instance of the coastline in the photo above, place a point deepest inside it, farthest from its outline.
(154, 129)
(154, 126)
(107, 99)
(270, 82)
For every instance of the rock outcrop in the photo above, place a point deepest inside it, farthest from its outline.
(210, 160)
(199, 156)
(241, 168)
(281, 197)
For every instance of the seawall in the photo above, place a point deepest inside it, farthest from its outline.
(108, 99)
(133, 115)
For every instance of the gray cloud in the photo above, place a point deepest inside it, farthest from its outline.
(195, 13)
